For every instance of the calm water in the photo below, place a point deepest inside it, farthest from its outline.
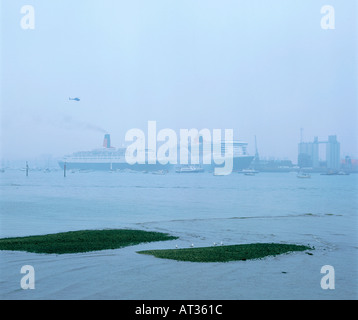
(200, 209)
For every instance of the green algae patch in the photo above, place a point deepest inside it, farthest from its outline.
(82, 241)
(226, 253)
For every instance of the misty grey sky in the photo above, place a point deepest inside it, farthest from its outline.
(260, 67)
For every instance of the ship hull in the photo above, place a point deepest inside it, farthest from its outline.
(102, 166)
(239, 163)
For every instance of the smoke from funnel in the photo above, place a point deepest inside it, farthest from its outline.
(71, 123)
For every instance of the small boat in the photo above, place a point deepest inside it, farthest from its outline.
(189, 169)
(303, 175)
(330, 173)
(343, 173)
(159, 172)
(248, 172)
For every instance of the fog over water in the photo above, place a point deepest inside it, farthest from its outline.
(264, 68)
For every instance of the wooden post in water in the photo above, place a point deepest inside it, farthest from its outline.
(64, 170)
(27, 169)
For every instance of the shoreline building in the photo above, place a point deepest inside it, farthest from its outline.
(333, 156)
(308, 154)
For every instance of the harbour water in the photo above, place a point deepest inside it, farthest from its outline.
(198, 208)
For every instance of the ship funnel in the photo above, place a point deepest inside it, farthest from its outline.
(107, 141)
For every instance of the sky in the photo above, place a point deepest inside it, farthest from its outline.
(262, 68)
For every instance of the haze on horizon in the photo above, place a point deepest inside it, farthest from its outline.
(263, 68)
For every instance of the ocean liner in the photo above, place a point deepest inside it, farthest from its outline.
(109, 158)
